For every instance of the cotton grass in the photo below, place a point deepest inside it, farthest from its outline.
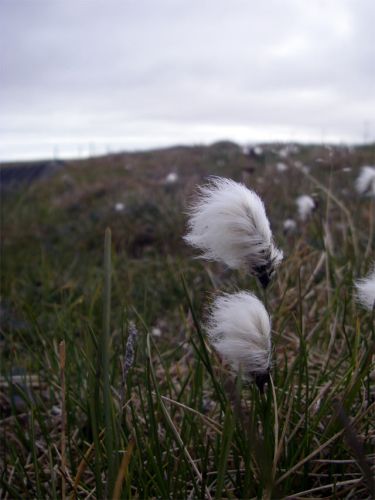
(119, 207)
(365, 182)
(228, 223)
(289, 226)
(171, 178)
(365, 290)
(281, 167)
(305, 206)
(239, 328)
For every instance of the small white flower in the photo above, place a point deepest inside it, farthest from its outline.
(281, 167)
(119, 207)
(228, 223)
(56, 411)
(365, 182)
(289, 226)
(258, 150)
(366, 290)
(252, 151)
(305, 205)
(288, 150)
(284, 152)
(171, 178)
(305, 169)
(239, 328)
(156, 332)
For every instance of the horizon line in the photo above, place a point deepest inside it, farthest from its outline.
(38, 157)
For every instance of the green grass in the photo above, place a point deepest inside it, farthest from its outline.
(179, 425)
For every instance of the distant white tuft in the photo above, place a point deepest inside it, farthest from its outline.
(365, 182)
(305, 169)
(119, 207)
(156, 332)
(171, 178)
(258, 150)
(305, 205)
(281, 167)
(228, 223)
(289, 226)
(284, 152)
(366, 290)
(239, 328)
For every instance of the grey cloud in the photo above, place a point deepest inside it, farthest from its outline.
(81, 69)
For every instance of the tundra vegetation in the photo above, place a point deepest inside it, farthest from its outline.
(109, 387)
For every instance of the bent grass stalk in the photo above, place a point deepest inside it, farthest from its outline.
(123, 469)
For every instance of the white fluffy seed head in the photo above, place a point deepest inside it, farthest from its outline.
(239, 328)
(119, 207)
(281, 167)
(289, 226)
(305, 205)
(171, 178)
(365, 182)
(366, 290)
(228, 223)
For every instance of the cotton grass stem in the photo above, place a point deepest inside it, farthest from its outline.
(62, 357)
(276, 428)
(105, 341)
(268, 493)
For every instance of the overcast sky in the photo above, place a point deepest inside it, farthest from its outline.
(86, 75)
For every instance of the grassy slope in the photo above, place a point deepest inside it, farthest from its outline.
(180, 420)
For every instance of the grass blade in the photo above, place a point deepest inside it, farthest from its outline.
(105, 371)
